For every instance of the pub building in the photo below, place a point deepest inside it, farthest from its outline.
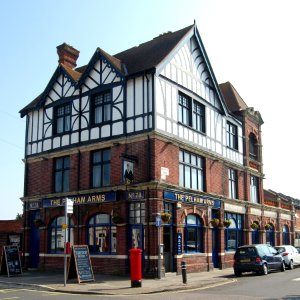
(137, 137)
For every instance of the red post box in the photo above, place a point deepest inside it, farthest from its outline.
(136, 267)
(68, 248)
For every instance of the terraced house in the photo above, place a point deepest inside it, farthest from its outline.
(139, 135)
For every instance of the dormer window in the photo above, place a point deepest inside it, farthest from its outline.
(232, 136)
(102, 107)
(62, 118)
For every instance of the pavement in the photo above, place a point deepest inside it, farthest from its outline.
(118, 285)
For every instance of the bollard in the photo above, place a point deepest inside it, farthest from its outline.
(183, 272)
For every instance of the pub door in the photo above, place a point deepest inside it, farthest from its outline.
(34, 245)
(215, 247)
(168, 253)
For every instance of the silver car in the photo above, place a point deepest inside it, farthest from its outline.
(290, 255)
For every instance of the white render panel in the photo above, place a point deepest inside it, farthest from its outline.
(117, 111)
(85, 119)
(169, 126)
(168, 101)
(95, 75)
(105, 131)
(40, 128)
(138, 96)
(34, 125)
(75, 137)
(130, 126)
(56, 142)
(65, 140)
(160, 96)
(95, 133)
(161, 123)
(139, 124)
(130, 106)
(68, 89)
(34, 148)
(90, 83)
(75, 105)
(39, 146)
(75, 122)
(47, 145)
(117, 128)
(84, 135)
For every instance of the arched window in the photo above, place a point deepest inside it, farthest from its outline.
(285, 235)
(57, 234)
(255, 233)
(193, 234)
(253, 149)
(270, 237)
(234, 233)
(102, 235)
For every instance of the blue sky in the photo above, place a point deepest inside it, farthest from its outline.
(253, 44)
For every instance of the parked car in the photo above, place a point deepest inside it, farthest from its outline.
(290, 255)
(298, 249)
(259, 258)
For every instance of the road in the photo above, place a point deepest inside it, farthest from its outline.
(285, 286)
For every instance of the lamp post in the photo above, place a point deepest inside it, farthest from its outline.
(158, 225)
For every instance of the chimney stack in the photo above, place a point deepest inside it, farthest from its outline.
(67, 55)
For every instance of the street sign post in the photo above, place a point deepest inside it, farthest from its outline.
(68, 210)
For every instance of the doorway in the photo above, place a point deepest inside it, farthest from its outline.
(168, 253)
(34, 246)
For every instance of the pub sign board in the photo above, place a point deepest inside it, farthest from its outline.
(10, 262)
(80, 264)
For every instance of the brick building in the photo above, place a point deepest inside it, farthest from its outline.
(131, 136)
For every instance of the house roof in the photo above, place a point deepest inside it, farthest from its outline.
(148, 55)
(232, 98)
(142, 58)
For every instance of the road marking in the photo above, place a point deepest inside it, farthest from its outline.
(296, 279)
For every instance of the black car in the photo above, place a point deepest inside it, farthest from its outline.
(259, 258)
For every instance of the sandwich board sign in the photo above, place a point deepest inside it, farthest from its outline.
(10, 262)
(80, 264)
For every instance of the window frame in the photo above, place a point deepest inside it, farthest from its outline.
(137, 212)
(57, 226)
(232, 136)
(103, 166)
(64, 170)
(104, 107)
(199, 117)
(197, 230)
(93, 227)
(189, 169)
(184, 109)
(235, 228)
(254, 189)
(232, 184)
(253, 148)
(65, 116)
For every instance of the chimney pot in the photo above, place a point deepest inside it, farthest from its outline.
(67, 55)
